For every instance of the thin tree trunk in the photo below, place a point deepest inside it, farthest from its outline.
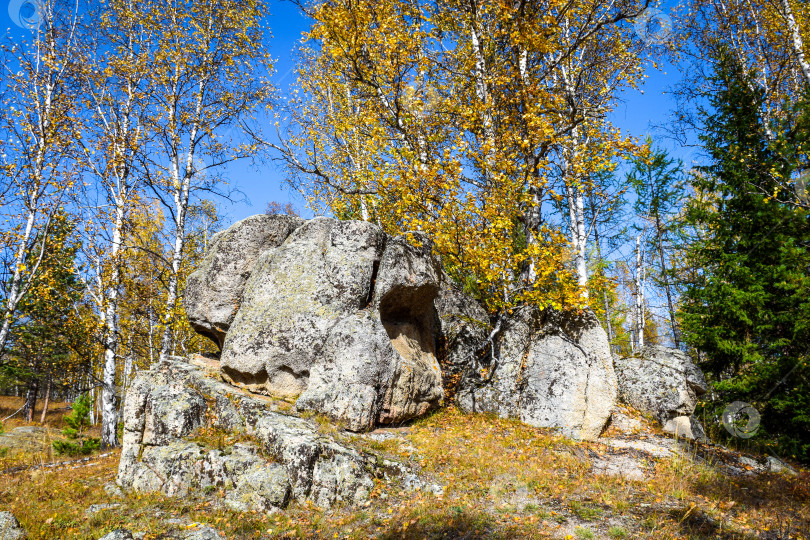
(31, 400)
(47, 399)
(608, 325)
(664, 275)
(796, 41)
(480, 73)
(182, 183)
(181, 206)
(33, 391)
(109, 411)
(640, 319)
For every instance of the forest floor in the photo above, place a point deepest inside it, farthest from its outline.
(487, 478)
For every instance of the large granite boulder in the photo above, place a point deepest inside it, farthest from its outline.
(280, 457)
(214, 290)
(340, 318)
(665, 383)
(548, 369)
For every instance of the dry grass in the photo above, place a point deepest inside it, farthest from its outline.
(502, 480)
(38, 450)
(53, 419)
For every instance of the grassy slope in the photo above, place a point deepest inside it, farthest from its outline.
(502, 480)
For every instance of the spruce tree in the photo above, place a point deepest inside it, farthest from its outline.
(748, 310)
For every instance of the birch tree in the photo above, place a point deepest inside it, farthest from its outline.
(36, 136)
(115, 85)
(210, 74)
(462, 117)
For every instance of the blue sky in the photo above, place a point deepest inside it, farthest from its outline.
(263, 182)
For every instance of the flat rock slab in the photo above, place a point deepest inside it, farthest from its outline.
(656, 448)
(622, 466)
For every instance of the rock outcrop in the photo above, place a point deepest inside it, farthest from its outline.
(464, 328)
(214, 290)
(281, 457)
(346, 321)
(335, 315)
(548, 369)
(665, 383)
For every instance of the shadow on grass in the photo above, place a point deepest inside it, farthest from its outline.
(458, 523)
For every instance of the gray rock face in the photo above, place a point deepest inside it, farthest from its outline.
(10, 528)
(214, 290)
(286, 458)
(340, 317)
(665, 383)
(296, 294)
(550, 369)
(464, 330)
(118, 534)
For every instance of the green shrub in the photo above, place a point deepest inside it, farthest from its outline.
(77, 423)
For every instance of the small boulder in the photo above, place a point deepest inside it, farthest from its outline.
(665, 383)
(118, 534)
(202, 533)
(776, 465)
(685, 427)
(214, 290)
(10, 528)
(550, 369)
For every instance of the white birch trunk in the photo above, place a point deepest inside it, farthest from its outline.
(109, 411)
(14, 293)
(639, 318)
(796, 41)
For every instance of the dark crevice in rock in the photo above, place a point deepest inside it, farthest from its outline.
(248, 380)
(408, 316)
(205, 329)
(374, 269)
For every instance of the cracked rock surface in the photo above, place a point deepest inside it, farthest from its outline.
(214, 290)
(336, 315)
(549, 369)
(283, 457)
(666, 384)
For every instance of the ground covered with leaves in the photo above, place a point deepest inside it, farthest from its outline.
(484, 477)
